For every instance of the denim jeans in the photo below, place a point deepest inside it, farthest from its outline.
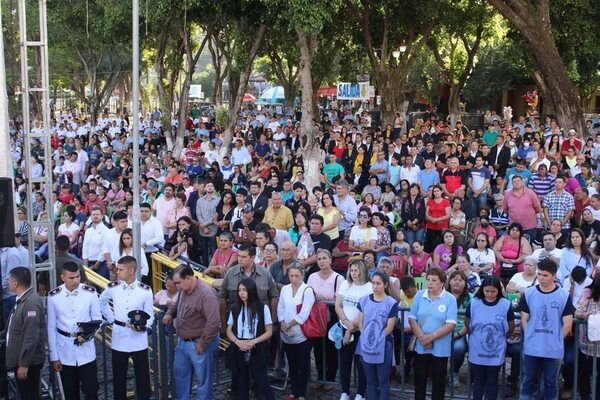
(479, 202)
(532, 367)
(346, 357)
(458, 353)
(568, 368)
(186, 361)
(485, 381)
(513, 350)
(7, 306)
(378, 375)
(411, 236)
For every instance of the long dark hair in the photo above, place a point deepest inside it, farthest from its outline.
(253, 304)
(595, 288)
(454, 248)
(465, 293)
(126, 231)
(585, 251)
(490, 281)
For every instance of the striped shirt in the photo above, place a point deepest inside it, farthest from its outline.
(541, 186)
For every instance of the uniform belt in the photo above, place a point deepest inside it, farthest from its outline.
(193, 339)
(67, 334)
(120, 323)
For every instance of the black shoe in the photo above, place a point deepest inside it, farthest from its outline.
(511, 390)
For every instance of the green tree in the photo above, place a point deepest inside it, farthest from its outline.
(455, 44)
(89, 45)
(544, 26)
(393, 34)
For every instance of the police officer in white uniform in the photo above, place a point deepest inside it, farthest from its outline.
(68, 304)
(128, 294)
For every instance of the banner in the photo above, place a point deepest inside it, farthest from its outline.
(354, 91)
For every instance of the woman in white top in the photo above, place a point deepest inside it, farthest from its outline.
(126, 249)
(69, 228)
(295, 345)
(482, 255)
(355, 287)
(362, 236)
(325, 283)
(522, 280)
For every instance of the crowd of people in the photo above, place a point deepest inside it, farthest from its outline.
(486, 223)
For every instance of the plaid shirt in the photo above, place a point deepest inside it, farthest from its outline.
(559, 205)
(587, 305)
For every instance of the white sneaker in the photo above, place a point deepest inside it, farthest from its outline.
(359, 397)
(345, 396)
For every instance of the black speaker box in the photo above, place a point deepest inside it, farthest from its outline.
(7, 213)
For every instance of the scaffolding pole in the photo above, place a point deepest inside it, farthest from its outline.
(137, 248)
(40, 88)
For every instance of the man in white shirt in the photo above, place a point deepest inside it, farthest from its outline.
(549, 250)
(93, 244)
(151, 232)
(409, 171)
(240, 155)
(112, 239)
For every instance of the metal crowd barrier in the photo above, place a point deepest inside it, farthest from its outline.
(402, 387)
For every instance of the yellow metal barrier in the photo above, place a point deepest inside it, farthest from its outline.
(160, 260)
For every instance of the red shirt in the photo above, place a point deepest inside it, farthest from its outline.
(66, 198)
(567, 143)
(453, 180)
(438, 210)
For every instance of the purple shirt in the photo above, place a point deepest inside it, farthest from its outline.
(446, 255)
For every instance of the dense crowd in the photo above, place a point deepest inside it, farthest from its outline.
(487, 223)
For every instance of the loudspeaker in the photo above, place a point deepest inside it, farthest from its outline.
(7, 213)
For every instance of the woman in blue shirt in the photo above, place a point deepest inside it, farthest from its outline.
(490, 320)
(378, 314)
(432, 319)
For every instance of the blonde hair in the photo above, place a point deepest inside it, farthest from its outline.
(362, 269)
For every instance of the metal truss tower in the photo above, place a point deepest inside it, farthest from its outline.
(35, 86)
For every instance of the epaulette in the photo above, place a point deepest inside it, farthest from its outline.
(114, 284)
(90, 289)
(144, 286)
(55, 291)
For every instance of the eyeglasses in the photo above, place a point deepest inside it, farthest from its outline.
(270, 250)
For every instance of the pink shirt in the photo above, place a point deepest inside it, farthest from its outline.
(522, 209)
(325, 288)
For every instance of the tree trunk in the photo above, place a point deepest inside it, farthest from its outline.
(290, 93)
(311, 153)
(534, 24)
(391, 98)
(454, 105)
(242, 82)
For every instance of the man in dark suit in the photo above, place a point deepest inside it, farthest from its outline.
(293, 140)
(26, 335)
(499, 156)
(258, 200)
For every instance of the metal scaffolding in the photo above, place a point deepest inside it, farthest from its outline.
(37, 88)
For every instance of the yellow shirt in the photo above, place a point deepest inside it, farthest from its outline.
(357, 162)
(333, 233)
(281, 219)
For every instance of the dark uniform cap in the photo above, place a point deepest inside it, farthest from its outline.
(87, 330)
(138, 318)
